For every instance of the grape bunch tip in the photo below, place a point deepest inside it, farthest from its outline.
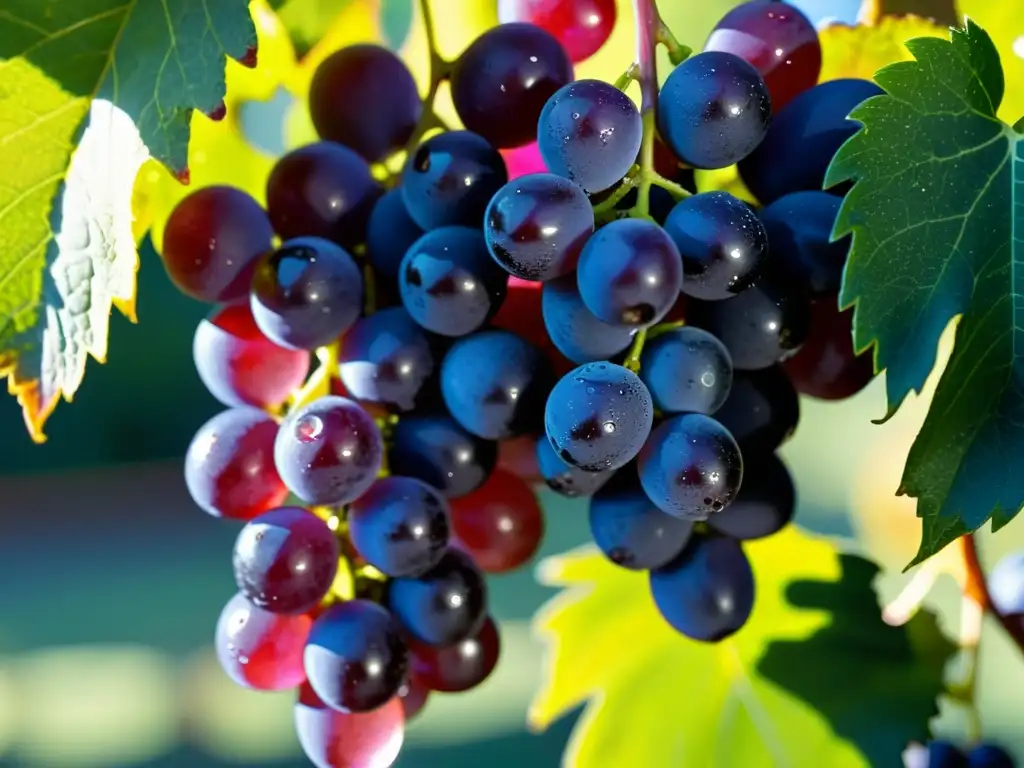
(540, 297)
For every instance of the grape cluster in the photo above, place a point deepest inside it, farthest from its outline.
(594, 324)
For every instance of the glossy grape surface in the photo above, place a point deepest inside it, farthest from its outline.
(333, 739)
(581, 26)
(502, 80)
(462, 665)
(259, 649)
(799, 228)
(762, 409)
(686, 370)
(766, 501)
(565, 479)
(825, 366)
(435, 449)
(576, 331)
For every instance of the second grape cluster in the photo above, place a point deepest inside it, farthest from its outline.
(539, 297)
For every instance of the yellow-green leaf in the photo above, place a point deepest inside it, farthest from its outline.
(120, 81)
(1004, 22)
(814, 679)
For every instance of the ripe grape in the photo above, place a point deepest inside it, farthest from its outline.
(400, 526)
(444, 606)
(502, 80)
(826, 366)
(329, 452)
(450, 179)
(306, 293)
(630, 530)
(536, 226)
(762, 409)
(936, 754)
(241, 366)
(598, 416)
(356, 659)
(494, 384)
(386, 358)
(799, 228)
(581, 26)
(323, 190)
(435, 449)
(590, 133)
(333, 739)
(449, 283)
(574, 330)
(414, 696)
(691, 467)
(211, 240)
(707, 593)
(803, 139)
(390, 232)
(713, 110)
(1006, 584)
(285, 560)
(364, 97)
(566, 479)
(763, 325)
(766, 501)
(989, 756)
(686, 370)
(261, 650)
(722, 244)
(462, 665)
(778, 40)
(500, 525)
(630, 273)
(229, 465)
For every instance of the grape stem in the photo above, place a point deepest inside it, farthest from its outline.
(976, 589)
(440, 69)
(319, 383)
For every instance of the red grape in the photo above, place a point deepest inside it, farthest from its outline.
(285, 560)
(333, 739)
(229, 466)
(778, 40)
(581, 26)
(211, 241)
(259, 649)
(241, 366)
(500, 524)
(825, 366)
(414, 697)
(518, 455)
(462, 666)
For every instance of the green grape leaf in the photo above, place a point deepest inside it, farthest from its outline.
(396, 21)
(89, 90)
(815, 678)
(937, 217)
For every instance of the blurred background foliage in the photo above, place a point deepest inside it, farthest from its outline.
(113, 580)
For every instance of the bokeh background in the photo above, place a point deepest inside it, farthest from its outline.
(111, 580)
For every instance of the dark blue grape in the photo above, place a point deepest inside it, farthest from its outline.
(630, 273)
(306, 293)
(590, 133)
(803, 139)
(502, 80)
(322, 190)
(400, 526)
(435, 449)
(762, 409)
(765, 324)
(630, 530)
(1006, 584)
(707, 593)
(449, 282)
(722, 244)
(328, 452)
(713, 110)
(566, 479)
(989, 756)
(446, 605)
(940, 754)
(686, 370)
(355, 658)
(390, 232)
(598, 416)
(450, 179)
(574, 330)
(363, 96)
(494, 384)
(691, 467)
(285, 560)
(766, 501)
(386, 358)
(536, 226)
(799, 228)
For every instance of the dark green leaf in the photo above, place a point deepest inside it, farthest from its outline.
(937, 216)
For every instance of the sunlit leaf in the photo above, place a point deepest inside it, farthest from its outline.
(1004, 22)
